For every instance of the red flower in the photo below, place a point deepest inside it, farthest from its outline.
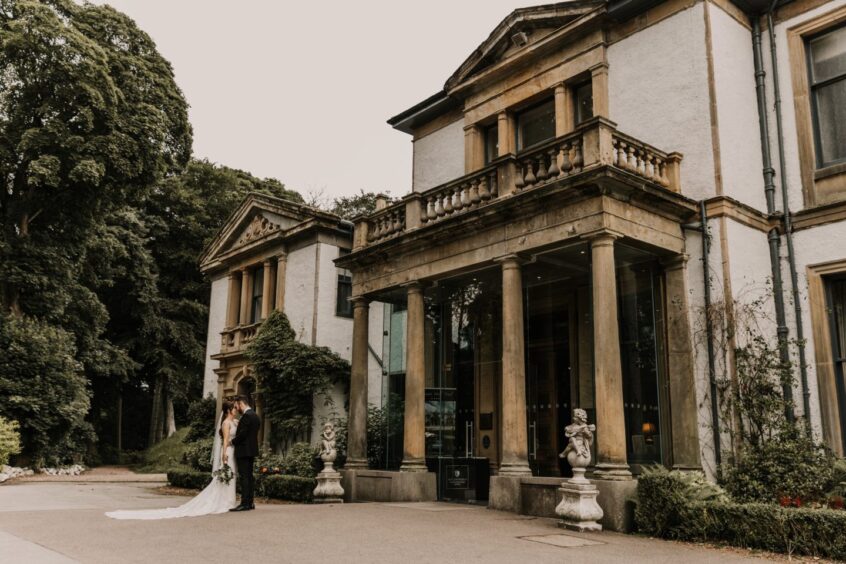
(785, 501)
(797, 502)
(836, 502)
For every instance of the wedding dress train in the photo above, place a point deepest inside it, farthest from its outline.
(217, 497)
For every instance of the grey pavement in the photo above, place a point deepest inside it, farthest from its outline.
(64, 522)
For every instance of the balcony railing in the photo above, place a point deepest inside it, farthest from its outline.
(238, 337)
(597, 143)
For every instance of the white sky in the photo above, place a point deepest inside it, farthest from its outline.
(300, 91)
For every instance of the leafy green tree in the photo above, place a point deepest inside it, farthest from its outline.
(291, 375)
(42, 387)
(10, 439)
(350, 207)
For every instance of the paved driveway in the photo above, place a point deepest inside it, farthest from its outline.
(63, 523)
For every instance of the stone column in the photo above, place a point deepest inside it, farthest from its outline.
(515, 448)
(680, 369)
(474, 149)
(266, 289)
(234, 299)
(563, 110)
(281, 269)
(599, 88)
(414, 442)
(246, 294)
(608, 375)
(505, 133)
(357, 425)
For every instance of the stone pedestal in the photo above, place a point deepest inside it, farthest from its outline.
(578, 509)
(329, 488)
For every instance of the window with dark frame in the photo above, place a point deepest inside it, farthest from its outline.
(491, 134)
(258, 290)
(582, 102)
(827, 80)
(536, 124)
(836, 298)
(343, 305)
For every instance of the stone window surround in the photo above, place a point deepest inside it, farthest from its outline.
(819, 185)
(239, 296)
(824, 356)
(563, 94)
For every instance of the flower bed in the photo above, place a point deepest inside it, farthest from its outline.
(10, 472)
(670, 505)
(276, 486)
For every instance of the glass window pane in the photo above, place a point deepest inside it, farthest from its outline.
(536, 125)
(583, 102)
(828, 55)
(491, 143)
(831, 121)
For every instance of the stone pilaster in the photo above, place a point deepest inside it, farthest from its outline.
(357, 426)
(515, 449)
(680, 369)
(414, 442)
(266, 289)
(281, 270)
(608, 374)
(233, 299)
(246, 295)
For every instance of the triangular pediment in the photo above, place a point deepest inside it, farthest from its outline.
(519, 32)
(258, 219)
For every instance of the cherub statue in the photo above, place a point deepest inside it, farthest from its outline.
(327, 451)
(580, 434)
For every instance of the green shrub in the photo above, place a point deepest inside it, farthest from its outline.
(301, 460)
(672, 505)
(291, 488)
(189, 479)
(165, 455)
(793, 466)
(273, 462)
(10, 440)
(197, 455)
(202, 419)
(664, 501)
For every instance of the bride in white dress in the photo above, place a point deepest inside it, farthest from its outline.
(217, 497)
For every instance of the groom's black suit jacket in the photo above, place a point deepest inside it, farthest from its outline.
(246, 437)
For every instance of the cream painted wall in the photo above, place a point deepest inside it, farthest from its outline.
(438, 157)
(788, 113)
(299, 291)
(737, 110)
(217, 322)
(815, 246)
(663, 99)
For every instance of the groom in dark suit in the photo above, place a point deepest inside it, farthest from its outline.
(246, 450)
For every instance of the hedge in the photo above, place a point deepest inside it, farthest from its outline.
(291, 488)
(667, 508)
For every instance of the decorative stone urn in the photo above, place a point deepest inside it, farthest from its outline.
(328, 488)
(578, 509)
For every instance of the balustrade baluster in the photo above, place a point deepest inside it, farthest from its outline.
(430, 209)
(541, 167)
(578, 160)
(641, 162)
(439, 205)
(530, 173)
(474, 192)
(662, 174)
(493, 186)
(456, 198)
(631, 159)
(553, 162)
(484, 193)
(447, 201)
(519, 181)
(465, 195)
(650, 166)
(566, 163)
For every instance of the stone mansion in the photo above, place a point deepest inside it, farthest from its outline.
(586, 185)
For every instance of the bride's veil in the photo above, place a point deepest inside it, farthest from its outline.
(218, 445)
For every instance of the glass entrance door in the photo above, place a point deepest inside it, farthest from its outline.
(463, 358)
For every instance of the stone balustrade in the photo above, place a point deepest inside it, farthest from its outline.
(464, 194)
(551, 161)
(386, 223)
(646, 161)
(238, 337)
(594, 144)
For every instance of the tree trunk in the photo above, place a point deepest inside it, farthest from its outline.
(119, 423)
(170, 420)
(156, 412)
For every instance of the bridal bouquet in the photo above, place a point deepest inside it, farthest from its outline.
(224, 474)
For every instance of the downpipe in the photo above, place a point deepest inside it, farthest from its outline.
(787, 222)
(773, 236)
